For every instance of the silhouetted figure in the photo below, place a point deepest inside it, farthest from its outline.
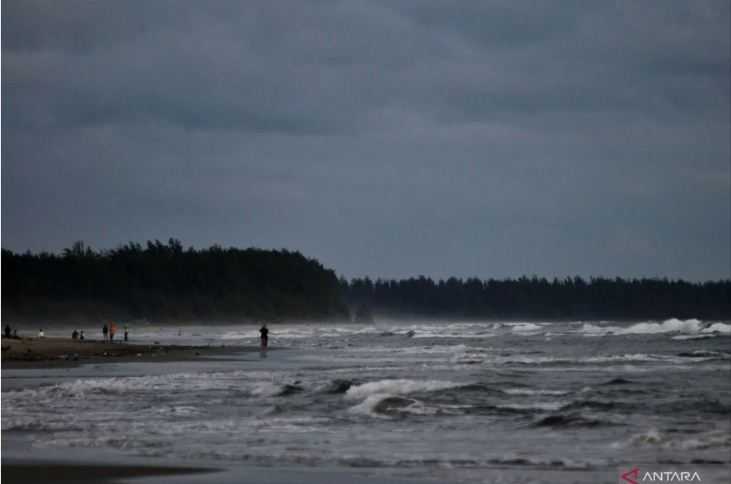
(126, 334)
(81, 335)
(75, 335)
(112, 330)
(105, 331)
(7, 331)
(264, 331)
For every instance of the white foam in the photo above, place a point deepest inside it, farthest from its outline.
(685, 327)
(632, 357)
(367, 406)
(525, 328)
(538, 360)
(529, 391)
(542, 406)
(718, 328)
(265, 389)
(706, 440)
(397, 387)
(93, 389)
(512, 459)
(689, 326)
(594, 330)
(700, 441)
(374, 392)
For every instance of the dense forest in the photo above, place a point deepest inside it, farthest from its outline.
(164, 281)
(539, 298)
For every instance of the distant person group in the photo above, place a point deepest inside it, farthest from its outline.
(108, 331)
(11, 333)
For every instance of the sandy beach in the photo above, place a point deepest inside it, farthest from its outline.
(57, 352)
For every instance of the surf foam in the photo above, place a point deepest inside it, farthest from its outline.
(685, 327)
(397, 387)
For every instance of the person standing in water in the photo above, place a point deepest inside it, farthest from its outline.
(264, 331)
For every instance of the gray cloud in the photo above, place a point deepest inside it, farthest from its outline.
(385, 138)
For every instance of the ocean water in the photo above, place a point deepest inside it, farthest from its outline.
(444, 401)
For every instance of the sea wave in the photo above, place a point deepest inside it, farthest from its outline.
(397, 387)
(525, 328)
(717, 438)
(385, 397)
(88, 390)
(533, 391)
(571, 421)
(620, 358)
(686, 327)
(705, 355)
(533, 407)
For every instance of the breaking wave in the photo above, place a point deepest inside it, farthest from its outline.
(397, 387)
(687, 327)
(387, 397)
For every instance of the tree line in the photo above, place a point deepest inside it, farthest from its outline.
(166, 281)
(573, 297)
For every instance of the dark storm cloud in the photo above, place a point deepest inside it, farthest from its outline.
(385, 138)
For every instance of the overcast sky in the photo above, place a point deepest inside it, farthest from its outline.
(383, 138)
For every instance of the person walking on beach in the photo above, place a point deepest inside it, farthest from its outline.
(7, 331)
(105, 330)
(81, 335)
(126, 333)
(264, 331)
(75, 335)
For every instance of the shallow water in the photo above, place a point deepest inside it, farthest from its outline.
(449, 401)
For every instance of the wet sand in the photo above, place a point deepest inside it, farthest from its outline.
(44, 472)
(65, 352)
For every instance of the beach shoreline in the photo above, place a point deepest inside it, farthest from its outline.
(41, 472)
(50, 352)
